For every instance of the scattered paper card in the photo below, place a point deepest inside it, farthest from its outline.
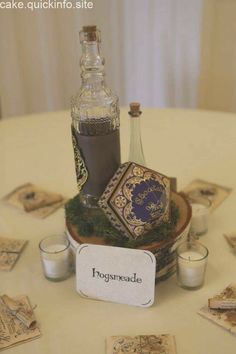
(17, 321)
(42, 213)
(225, 316)
(116, 274)
(11, 245)
(34, 200)
(199, 190)
(8, 260)
(20, 310)
(225, 300)
(144, 344)
(231, 238)
(10, 250)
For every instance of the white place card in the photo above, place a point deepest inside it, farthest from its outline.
(116, 274)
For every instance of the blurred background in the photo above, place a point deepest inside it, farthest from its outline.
(163, 53)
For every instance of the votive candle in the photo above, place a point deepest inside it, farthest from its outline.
(200, 213)
(191, 264)
(55, 257)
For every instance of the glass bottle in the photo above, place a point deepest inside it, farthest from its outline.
(135, 148)
(95, 122)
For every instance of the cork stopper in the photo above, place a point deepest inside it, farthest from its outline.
(90, 28)
(134, 109)
(90, 33)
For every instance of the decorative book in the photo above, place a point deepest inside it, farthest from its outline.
(136, 199)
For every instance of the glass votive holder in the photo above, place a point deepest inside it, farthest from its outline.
(55, 257)
(191, 264)
(200, 212)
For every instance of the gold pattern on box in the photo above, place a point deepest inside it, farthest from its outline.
(136, 199)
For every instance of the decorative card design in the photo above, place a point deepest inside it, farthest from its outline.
(10, 250)
(136, 199)
(225, 300)
(11, 245)
(116, 274)
(13, 330)
(35, 200)
(8, 260)
(144, 344)
(224, 318)
(225, 314)
(199, 190)
(20, 310)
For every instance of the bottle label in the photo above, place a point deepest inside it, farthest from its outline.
(80, 167)
(97, 157)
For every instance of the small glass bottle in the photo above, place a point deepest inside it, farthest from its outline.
(95, 122)
(136, 148)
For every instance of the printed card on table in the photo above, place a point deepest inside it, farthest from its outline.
(34, 200)
(144, 344)
(199, 190)
(221, 309)
(11, 245)
(10, 250)
(224, 318)
(8, 260)
(116, 274)
(225, 300)
(13, 331)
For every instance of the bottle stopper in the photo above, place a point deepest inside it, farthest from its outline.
(90, 28)
(134, 109)
(90, 33)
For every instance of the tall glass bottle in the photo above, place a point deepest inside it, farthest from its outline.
(95, 122)
(136, 149)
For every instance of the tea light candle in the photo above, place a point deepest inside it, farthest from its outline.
(55, 257)
(191, 264)
(199, 222)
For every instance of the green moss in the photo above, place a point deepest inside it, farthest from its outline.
(90, 222)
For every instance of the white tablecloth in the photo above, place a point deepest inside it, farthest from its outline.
(182, 143)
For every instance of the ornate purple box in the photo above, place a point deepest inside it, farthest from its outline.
(136, 199)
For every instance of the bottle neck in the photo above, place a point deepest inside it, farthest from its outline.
(136, 149)
(92, 63)
(135, 127)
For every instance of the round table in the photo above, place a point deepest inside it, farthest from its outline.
(186, 144)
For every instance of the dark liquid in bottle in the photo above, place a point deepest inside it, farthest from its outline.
(101, 154)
